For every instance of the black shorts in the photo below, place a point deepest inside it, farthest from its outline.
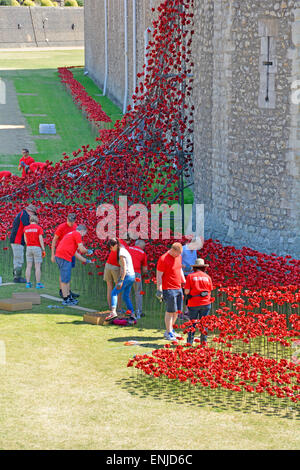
(173, 299)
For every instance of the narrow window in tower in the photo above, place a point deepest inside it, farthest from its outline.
(267, 65)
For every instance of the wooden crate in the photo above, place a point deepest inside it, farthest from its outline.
(15, 305)
(97, 318)
(32, 297)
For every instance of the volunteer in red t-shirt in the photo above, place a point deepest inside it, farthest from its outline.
(169, 279)
(139, 259)
(198, 289)
(67, 248)
(62, 230)
(35, 251)
(25, 162)
(36, 166)
(112, 272)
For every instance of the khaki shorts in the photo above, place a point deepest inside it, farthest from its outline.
(111, 273)
(34, 254)
(18, 255)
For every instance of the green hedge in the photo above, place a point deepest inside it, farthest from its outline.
(46, 3)
(71, 3)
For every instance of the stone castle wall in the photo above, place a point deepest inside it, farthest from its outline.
(247, 127)
(95, 43)
(247, 162)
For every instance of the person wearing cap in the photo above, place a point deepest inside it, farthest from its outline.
(25, 162)
(198, 289)
(62, 230)
(17, 240)
(139, 259)
(189, 256)
(69, 245)
(170, 279)
(35, 251)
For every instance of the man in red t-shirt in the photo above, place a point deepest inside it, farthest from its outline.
(139, 260)
(62, 230)
(35, 252)
(198, 289)
(25, 162)
(69, 245)
(169, 279)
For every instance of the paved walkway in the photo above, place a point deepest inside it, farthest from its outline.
(15, 134)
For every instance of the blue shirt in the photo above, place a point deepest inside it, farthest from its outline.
(188, 258)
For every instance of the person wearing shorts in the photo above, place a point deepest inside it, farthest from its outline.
(35, 251)
(170, 278)
(62, 230)
(198, 289)
(69, 245)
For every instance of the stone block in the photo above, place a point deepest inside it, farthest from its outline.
(97, 318)
(15, 305)
(32, 297)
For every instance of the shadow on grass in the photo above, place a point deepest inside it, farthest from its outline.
(219, 400)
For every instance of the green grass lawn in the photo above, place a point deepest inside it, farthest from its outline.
(65, 385)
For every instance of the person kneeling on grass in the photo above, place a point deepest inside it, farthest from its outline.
(35, 252)
(69, 245)
(125, 281)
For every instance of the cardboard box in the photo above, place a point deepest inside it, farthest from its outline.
(32, 297)
(97, 318)
(15, 305)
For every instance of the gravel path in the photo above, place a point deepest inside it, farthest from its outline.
(15, 134)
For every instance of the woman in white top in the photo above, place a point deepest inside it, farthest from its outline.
(125, 281)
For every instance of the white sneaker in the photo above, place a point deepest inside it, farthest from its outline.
(170, 336)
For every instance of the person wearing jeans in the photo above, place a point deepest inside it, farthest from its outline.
(125, 281)
(196, 313)
(198, 289)
(139, 260)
